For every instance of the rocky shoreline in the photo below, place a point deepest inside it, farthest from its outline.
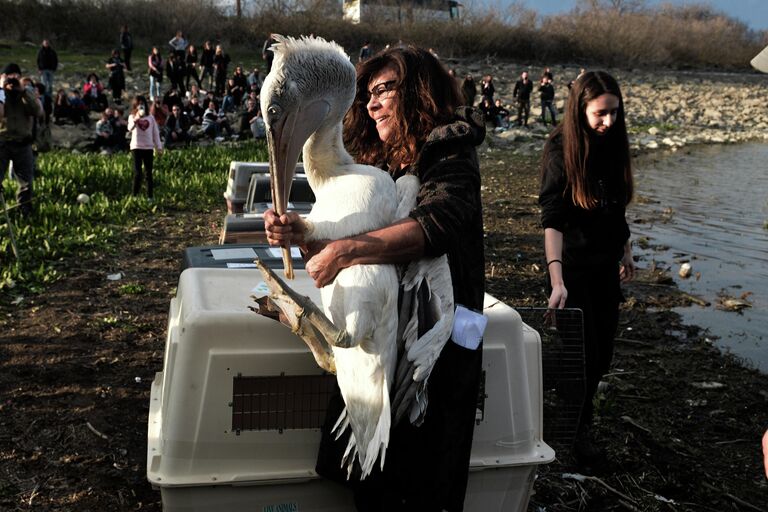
(665, 109)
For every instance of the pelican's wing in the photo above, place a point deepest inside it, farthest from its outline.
(425, 324)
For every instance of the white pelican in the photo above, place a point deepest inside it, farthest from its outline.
(304, 99)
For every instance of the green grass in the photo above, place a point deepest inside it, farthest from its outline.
(131, 289)
(191, 179)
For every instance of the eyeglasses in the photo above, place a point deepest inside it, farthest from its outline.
(381, 89)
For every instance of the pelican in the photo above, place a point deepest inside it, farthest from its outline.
(305, 97)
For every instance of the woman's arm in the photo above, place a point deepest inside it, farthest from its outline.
(399, 242)
(553, 249)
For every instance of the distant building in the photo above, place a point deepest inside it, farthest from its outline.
(250, 8)
(355, 11)
(358, 11)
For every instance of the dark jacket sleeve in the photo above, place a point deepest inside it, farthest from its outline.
(446, 203)
(553, 185)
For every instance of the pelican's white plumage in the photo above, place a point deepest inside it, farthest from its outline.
(304, 97)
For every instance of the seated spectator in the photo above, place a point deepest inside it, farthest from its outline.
(229, 104)
(27, 83)
(254, 80)
(258, 128)
(239, 86)
(78, 110)
(195, 111)
(61, 108)
(194, 91)
(502, 115)
(249, 122)
(176, 128)
(103, 130)
(489, 109)
(119, 130)
(93, 94)
(214, 122)
(172, 98)
(159, 112)
(46, 101)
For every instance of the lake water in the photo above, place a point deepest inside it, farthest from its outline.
(709, 205)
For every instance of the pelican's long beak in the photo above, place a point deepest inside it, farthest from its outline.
(285, 139)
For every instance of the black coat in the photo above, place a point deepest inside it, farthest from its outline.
(47, 60)
(523, 90)
(547, 92)
(590, 237)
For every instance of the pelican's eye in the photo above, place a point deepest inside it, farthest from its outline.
(274, 111)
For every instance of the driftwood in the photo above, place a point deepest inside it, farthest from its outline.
(583, 478)
(304, 318)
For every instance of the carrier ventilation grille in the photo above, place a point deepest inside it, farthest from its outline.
(562, 362)
(280, 402)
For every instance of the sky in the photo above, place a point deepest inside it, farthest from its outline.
(752, 12)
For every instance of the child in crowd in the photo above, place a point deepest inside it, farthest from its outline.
(145, 139)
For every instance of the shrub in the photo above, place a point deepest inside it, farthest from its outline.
(616, 33)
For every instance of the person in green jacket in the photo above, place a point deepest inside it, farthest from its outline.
(18, 109)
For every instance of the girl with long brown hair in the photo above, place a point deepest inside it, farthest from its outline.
(406, 118)
(586, 185)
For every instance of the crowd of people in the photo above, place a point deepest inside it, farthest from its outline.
(498, 113)
(181, 112)
(191, 94)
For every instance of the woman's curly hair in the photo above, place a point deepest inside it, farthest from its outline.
(425, 96)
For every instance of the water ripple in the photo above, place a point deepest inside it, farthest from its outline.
(710, 206)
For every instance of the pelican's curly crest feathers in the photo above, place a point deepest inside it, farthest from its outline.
(327, 61)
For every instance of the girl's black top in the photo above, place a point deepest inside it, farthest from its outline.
(590, 237)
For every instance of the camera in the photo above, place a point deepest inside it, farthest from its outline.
(12, 83)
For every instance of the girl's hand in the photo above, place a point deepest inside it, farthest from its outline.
(557, 297)
(627, 266)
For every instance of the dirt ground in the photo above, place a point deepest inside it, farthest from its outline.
(76, 364)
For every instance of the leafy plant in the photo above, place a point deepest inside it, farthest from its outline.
(61, 228)
(131, 289)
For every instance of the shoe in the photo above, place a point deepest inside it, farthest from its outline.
(218, 139)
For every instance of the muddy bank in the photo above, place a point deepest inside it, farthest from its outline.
(681, 421)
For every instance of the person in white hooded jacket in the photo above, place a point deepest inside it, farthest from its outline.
(145, 138)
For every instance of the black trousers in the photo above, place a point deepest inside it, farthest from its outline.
(127, 57)
(523, 111)
(597, 292)
(143, 157)
(426, 467)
